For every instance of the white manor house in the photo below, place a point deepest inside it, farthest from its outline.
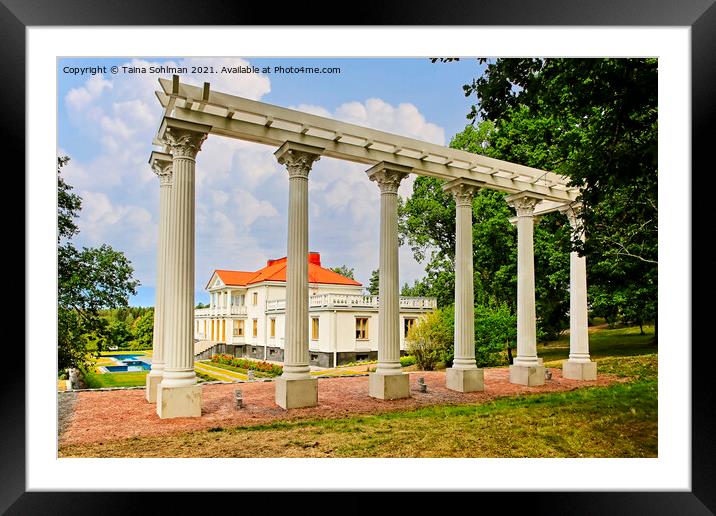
(246, 315)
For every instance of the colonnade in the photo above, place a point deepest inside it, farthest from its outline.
(172, 381)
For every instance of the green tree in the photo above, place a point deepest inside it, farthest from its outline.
(343, 270)
(374, 283)
(595, 122)
(427, 224)
(495, 330)
(119, 334)
(143, 331)
(89, 280)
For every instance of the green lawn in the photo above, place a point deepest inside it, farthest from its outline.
(619, 420)
(131, 379)
(604, 343)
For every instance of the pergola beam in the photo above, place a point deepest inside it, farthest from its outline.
(276, 137)
(241, 118)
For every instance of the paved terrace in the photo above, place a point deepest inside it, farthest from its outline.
(102, 416)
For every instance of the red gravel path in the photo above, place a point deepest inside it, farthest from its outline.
(102, 416)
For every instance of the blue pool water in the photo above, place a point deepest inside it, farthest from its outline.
(127, 363)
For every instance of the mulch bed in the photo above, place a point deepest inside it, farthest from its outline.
(112, 415)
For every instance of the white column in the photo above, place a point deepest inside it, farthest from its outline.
(579, 366)
(464, 375)
(295, 388)
(388, 381)
(178, 394)
(526, 369)
(162, 166)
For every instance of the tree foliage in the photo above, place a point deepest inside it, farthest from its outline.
(343, 270)
(427, 224)
(430, 340)
(593, 121)
(89, 280)
(374, 283)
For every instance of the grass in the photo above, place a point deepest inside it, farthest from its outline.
(219, 371)
(604, 343)
(130, 379)
(619, 420)
(614, 421)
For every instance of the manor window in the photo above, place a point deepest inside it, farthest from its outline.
(314, 328)
(238, 328)
(407, 324)
(361, 328)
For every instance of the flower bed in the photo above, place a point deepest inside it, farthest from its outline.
(243, 363)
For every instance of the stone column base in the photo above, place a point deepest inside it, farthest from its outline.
(579, 370)
(531, 376)
(150, 393)
(464, 380)
(389, 386)
(296, 393)
(184, 401)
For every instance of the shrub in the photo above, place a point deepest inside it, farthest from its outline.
(430, 341)
(495, 332)
(407, 360)
(242, 363)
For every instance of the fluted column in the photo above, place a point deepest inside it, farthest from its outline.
(162, 166)
(388, 178)
(579, 366)
(178, 393)
(526, 368)
(464, 376)
(296, 388)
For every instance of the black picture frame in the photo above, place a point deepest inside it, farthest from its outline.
(699, 15)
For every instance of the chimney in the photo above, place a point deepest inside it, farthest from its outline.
(314, 258)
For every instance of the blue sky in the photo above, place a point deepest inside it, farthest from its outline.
(106, 123)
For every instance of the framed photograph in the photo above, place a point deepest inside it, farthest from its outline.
(361, 145)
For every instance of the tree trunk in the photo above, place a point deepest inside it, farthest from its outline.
(509, 354)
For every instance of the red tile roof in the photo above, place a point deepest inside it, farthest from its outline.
(275, 270)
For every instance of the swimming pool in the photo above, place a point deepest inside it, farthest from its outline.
(128, 363)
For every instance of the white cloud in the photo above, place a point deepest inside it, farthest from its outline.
(313, 110)
(405, 119)
(135, 111)
(241, 190)
(79, 98)
(249, 208)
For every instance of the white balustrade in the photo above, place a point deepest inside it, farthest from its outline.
(356, 301)
(220, 311)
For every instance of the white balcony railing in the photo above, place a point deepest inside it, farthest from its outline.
(355, 301)
(220, 311)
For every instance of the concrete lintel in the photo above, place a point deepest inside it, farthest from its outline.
(385, 165)
(169, 123)
(463, 181)
(525, 193)
(299, 147)
(158, 157)
(535, 218)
